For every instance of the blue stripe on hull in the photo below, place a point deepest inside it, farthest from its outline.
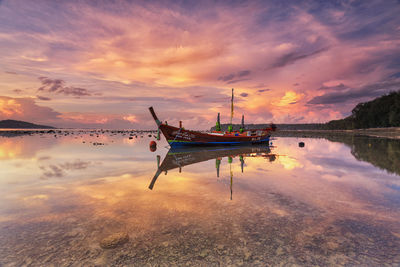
(176, 144)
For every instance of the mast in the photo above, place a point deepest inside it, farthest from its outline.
(230, 127)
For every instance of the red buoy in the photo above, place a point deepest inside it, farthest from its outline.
(153, 146)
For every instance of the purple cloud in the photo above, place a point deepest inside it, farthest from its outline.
(229, 78)
(58, 86)
(43, 98)
(356, 94)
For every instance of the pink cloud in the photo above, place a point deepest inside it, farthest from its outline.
(27, 110)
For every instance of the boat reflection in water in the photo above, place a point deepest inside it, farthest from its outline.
(178, 157)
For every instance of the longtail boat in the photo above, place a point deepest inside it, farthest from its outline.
(177, 136)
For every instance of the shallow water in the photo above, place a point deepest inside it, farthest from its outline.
(329, 203)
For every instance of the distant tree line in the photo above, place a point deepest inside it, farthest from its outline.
(302, 126)
(381, 112)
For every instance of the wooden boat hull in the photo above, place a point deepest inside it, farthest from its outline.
(179, 137)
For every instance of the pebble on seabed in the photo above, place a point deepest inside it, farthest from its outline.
(114, 240)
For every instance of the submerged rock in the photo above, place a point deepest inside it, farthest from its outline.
(247, 254)
(114, 240)
(204, 253)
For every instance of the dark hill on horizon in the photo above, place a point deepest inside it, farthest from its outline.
(383, 111)
(13, 124)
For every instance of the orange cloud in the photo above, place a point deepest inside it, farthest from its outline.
(130, 118)
(289, 98)
(9, 107)
(87, 118)
(27, 110)
(93, 120)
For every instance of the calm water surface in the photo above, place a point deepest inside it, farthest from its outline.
(87, 199)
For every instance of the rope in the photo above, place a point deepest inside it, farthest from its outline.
(173, 141)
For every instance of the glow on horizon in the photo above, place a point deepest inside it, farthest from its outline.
(76, 64)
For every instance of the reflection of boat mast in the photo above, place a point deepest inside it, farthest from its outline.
(241, 162)
(217, 164)
(230, 170)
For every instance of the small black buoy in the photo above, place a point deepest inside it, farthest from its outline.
(301, 144)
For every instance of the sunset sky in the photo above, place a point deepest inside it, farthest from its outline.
(103, 63)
